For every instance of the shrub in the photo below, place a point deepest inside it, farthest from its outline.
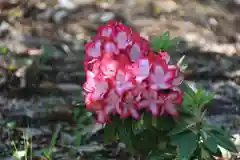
(134, 90)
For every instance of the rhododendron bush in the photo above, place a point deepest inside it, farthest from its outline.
(137, 93)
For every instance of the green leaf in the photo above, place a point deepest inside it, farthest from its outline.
(207, 98)
(147, 119)
(165, 123)
(137, 127)
(187, 143)
(78, 139)
(76, 112)
(109, 133)
(125, 131)
(181, 126)
(172, 44)
(165, 40)
(223, 140)
(209, 142)
(155, 43)
(162, 43)
(206, 155)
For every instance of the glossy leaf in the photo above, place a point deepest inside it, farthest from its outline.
(155, 43)
(209, 142)
(109, 133)
(186, 142)
(147, 119)
(165, 123)
(125, 131)
(180, 127)
(223, 141)
(165, 41)
(206, 155)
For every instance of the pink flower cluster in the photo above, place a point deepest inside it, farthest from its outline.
(123, 76)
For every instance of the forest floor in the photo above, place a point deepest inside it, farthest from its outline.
(211, 42)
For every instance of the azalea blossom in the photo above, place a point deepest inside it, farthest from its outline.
(170, 104)
(161, 77)
(123, 82)
(141, 69)
(152, 101)
(123, 76)
(128, 106)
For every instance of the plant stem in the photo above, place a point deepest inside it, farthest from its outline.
(199, 154)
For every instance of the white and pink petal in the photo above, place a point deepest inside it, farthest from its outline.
(101, 88)
(142, 69)
(154, 109)
(134, 113)
(93, 49)
(171, 109)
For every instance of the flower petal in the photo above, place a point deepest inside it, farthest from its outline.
(162, 85)
(89, 85)
(159, 71)
(169, 75)
(109, 68)
(123, 82)
(135, 52)
(107, 30)
(144, 104)
(101, 117)
(101, 88)
(154, 109)
(124, 87)
(178, 79)
(94, 49)
(112, 102)
(142, 70)
(172, 96)
(124, 112)
(122, 40)
(165, 56)
(171, 109)
(134, 113)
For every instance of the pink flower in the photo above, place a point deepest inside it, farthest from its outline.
(107, 30)
(123, 82)
(111, 102)
(178, 78)
(161, 77)
(128, 106)
(170, 104)
(109, 47)
(141, 69)
(93, 49)
(165, 56)
(95, 86)
(152, 101)
(108, 66)
(102, 117)
(124, 76)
